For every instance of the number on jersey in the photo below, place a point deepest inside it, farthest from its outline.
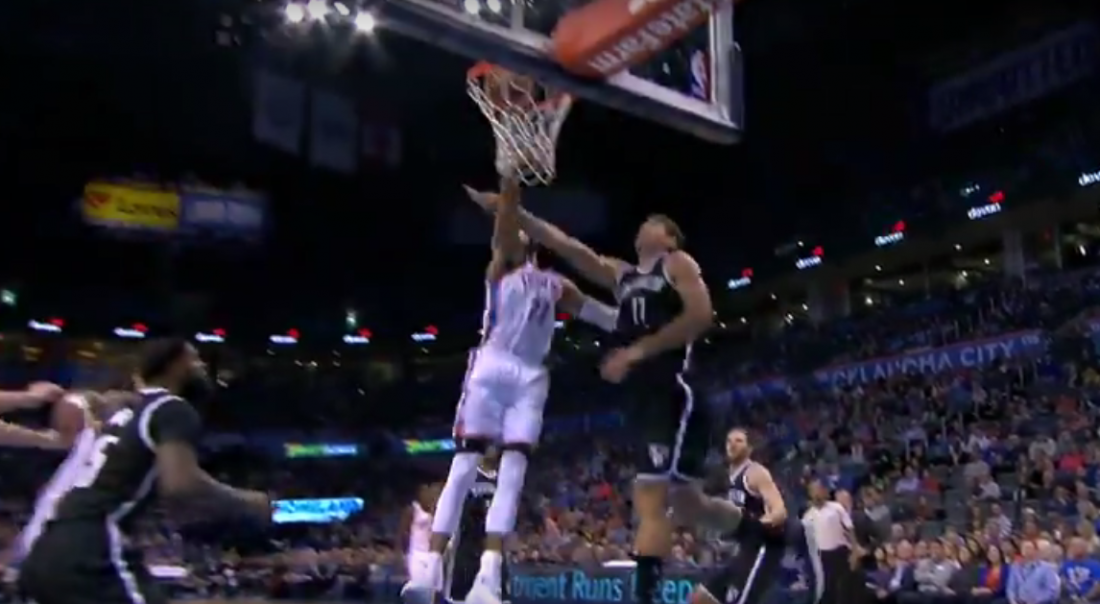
(637, 310)
(97, 456)
(540, 311)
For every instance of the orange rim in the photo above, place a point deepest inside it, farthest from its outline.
(484, 68)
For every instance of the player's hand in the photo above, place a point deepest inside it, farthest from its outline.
(616, 365)
(44, 392)
(259, 503)
(487, 201)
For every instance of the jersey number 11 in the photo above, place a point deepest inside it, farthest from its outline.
(637, 310)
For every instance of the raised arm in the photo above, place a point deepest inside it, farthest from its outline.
(12, 435)
(599, 269)
(507, 242)
(586, 309)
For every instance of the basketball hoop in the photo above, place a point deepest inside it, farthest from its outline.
(526, 117)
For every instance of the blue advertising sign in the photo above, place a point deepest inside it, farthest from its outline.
(316, 511)
(221, 214)
(1014, 78)
(546, 585)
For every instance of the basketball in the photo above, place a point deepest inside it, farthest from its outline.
(67, 418)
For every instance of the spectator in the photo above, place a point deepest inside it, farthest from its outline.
(993, 578)
(1033, 580)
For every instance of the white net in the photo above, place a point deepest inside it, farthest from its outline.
(526, 118)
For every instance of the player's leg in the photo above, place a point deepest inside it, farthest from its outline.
(747, 579)
(522, 425)
(477, 424)
(665, 409)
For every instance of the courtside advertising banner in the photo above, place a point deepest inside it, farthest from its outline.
(554, 584)
(972, 354)
(131, 206)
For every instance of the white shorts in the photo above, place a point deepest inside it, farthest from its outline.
(419, 565)
(503, 398)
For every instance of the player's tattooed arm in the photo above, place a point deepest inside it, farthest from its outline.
(760, 480)
(508, 247)
(698, 311)
(602, 270)
(593, 312)
(182, 481)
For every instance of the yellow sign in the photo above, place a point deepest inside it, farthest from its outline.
(131, 206)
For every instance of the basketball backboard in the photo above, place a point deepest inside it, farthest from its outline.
(693, 86)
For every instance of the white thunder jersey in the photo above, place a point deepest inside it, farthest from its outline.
(63, 478)
(519, 313)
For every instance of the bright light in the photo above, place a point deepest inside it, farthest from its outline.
(364, 22)
(342, 9)
(472, 6)
(494, 5)
(294, 12)
(317, 9)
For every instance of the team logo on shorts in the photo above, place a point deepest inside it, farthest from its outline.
(658, 455)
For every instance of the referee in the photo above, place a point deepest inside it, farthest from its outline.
(831, 526)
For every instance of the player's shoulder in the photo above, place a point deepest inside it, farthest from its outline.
(679, 262)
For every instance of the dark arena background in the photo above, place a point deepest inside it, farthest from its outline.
(903, 254)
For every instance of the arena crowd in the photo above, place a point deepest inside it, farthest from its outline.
(966, 476)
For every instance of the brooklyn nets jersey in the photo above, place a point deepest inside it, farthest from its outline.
(118, 477)
(752, 507)
(647, 302)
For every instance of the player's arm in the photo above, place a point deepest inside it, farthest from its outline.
(404, 529)
(37, 394)
(507, 244)
(718, 513)
(599, 269)
(12, 435)
(697, 314)
(760, 481)
(586, 309)
(172, 430)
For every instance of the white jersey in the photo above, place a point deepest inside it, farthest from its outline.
(420, 531)
(63, 479)
(519, 313)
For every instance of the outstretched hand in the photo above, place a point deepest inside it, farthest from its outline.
(485, 199)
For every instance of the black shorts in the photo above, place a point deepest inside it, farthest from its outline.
(671, 421)
(84, 563)
(747, 578)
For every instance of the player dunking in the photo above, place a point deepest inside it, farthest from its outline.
(763, 534)
(664, 306)
(503, 396)
(145, 449)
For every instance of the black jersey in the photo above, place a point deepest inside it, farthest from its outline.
(118, 478)
(647, 302)
(751, 504)
(472, 526)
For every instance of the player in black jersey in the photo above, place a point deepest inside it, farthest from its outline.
(664, 306)
(465, 548)
(763, 534)
(144, 450)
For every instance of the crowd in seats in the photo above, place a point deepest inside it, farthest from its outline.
(964, 477)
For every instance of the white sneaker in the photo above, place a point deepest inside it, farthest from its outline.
(417, 593)
(483, 592)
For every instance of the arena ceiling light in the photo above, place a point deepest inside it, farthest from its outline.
(365, 22)
(317, 9)
(294, 12)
